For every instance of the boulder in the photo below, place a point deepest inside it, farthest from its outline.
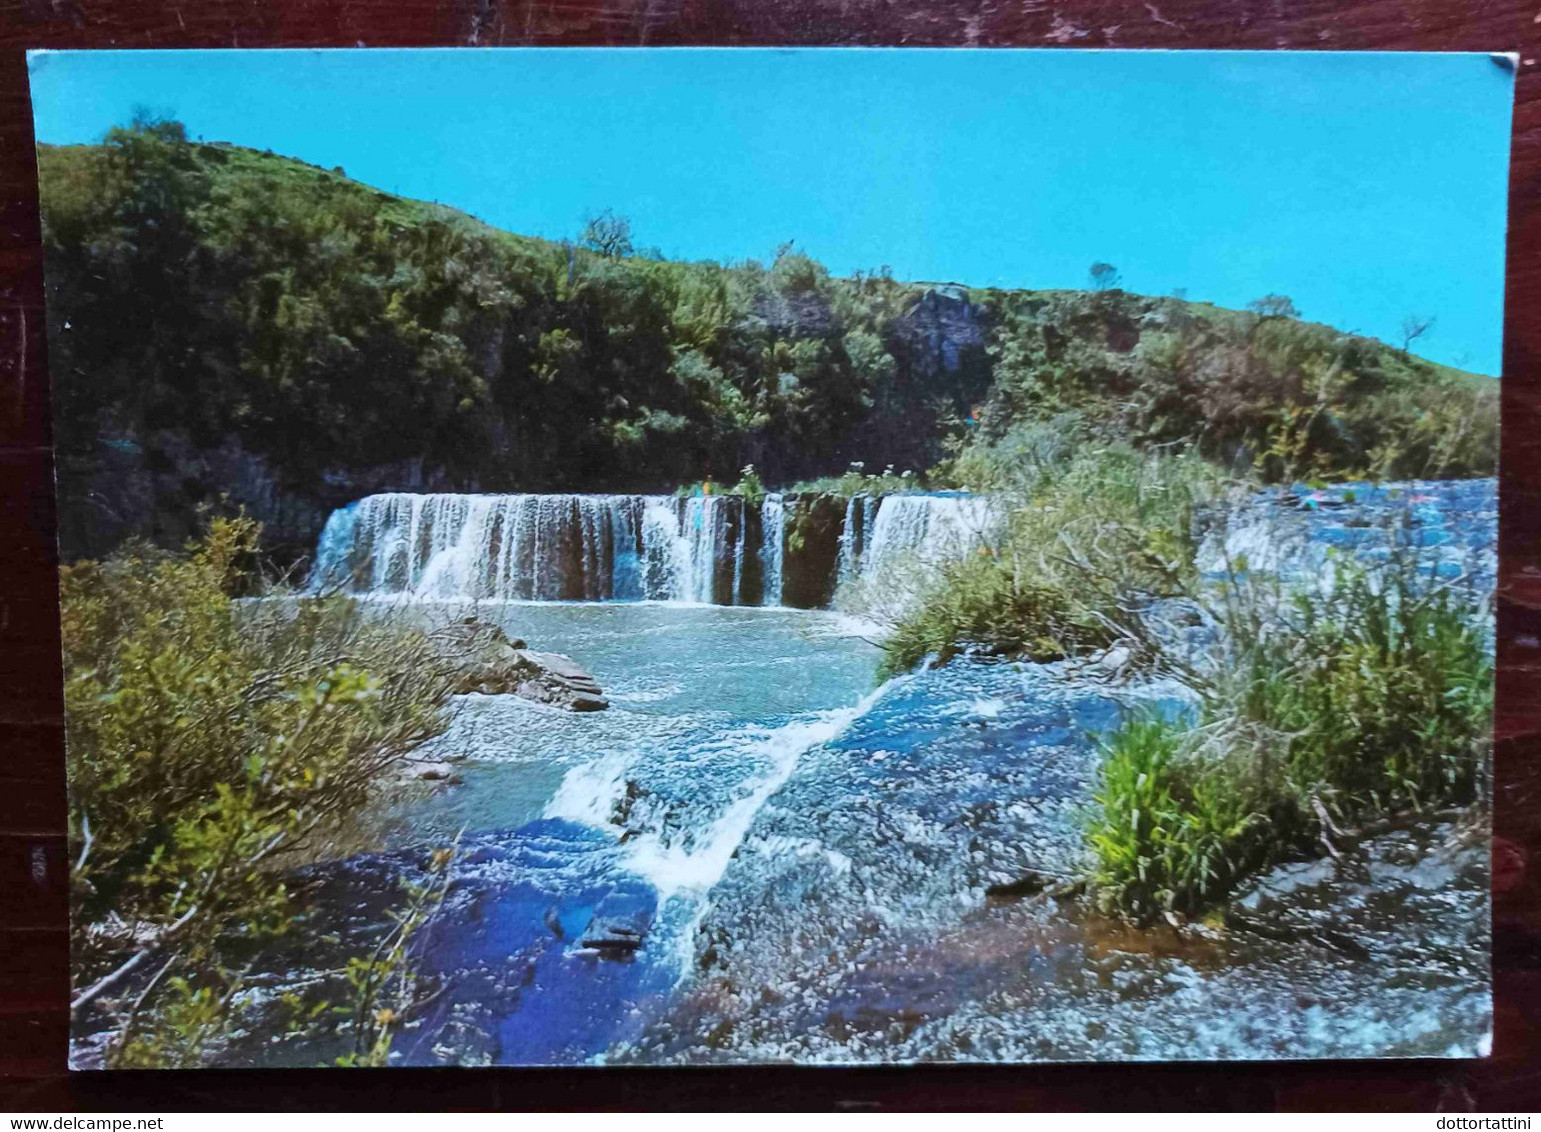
(551, 678)
(485, 660)
(619, 924)
(426, 771)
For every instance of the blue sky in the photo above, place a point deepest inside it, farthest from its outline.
(1365, 186)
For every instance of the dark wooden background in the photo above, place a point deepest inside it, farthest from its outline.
(33, 979)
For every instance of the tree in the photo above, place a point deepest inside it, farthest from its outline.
(1274, 306)
(1104, 276)
(1415, 326)
(608, 234)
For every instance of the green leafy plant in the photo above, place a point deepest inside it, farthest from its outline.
(208, 742)
(385, 988)
(1324, 710)
(1087, 537)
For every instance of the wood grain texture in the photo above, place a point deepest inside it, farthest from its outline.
(33, 980)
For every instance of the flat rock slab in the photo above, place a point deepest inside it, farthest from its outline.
(485, 660)
(559, 680)
(558, 665)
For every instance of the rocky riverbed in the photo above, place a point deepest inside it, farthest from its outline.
(756, 855)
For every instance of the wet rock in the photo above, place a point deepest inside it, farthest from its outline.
(1029, 884)
(1276, 888)
(814, 523)
(431, 772)
(1115, 659)
(1362, 905)
(619, 925)
(551, 678)
(485, 660)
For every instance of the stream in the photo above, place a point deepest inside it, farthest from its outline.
(805, 855)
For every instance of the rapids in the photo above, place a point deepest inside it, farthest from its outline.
(809, 854)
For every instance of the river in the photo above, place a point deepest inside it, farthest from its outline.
(806, 855)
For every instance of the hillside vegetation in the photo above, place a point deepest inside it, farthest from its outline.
(227, 322)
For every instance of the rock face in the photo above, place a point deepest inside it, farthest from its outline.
(485, 660)
(810, 570)
(943, 325)
(149, 485)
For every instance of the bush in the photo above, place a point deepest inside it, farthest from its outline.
(1089, 537)
(1368, 698)
(856, 480)
(208, 740)
(979, 601)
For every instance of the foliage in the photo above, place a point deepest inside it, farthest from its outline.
(856, 480)
(204, 292)
(1325, 709)
(207, 741)
(980, 601)
(1103, 276)
(1257, 390)
(1088, 536)
(749, 487)
(384, 984)
(608, 234)
(202, 295)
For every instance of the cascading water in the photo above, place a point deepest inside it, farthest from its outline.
(773, 518)
(716, 549)
(767, 823)
(532, 547)
(850, 537)
(712, 529)
(885, 531)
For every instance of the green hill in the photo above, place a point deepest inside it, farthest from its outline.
(227, 322)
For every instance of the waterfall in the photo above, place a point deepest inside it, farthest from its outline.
(856, 532)
(890, 531)
(850, 535)
(333, 550)
(714, 549)
(738, 561)
(712, 527)
(772, 546)
(921, 529)
(665, 551)
(530, 547)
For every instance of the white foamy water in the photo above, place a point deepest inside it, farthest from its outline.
(537, 548)
(715, 550)
(691, 865)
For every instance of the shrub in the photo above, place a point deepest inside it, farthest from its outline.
(208, 739)
(1174, 828)
(980, 601)
(1368, 697)
(1089, 536)
(856, 480)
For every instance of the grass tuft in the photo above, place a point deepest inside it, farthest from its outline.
(1369, 697)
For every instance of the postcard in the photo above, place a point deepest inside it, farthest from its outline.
(677, 557)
